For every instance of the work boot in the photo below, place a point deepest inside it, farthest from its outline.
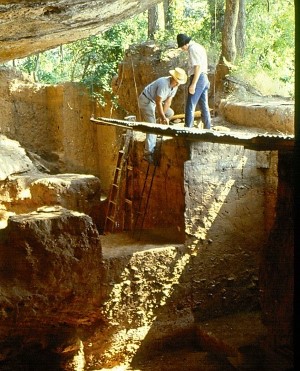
(149, 158)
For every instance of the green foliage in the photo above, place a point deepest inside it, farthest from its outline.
(269, 54)
(192, 19)
(195, 18)
(92, 61)
(270, 47)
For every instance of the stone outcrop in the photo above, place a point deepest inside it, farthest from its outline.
(42, 276)
(25, 188)
(28, 27)
(278, 264)
(14, 159)
(269, 114)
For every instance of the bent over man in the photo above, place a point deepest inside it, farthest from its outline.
(199, 83)
(156, 99)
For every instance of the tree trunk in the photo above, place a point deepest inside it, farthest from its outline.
(36, 67)
(229, 30)
(153, 25)
(216, 10)
(240, 33)
(228, 53)
(167, 14)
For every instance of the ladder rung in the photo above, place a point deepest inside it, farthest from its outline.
(114, 201)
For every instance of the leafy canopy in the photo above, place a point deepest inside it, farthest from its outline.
(269, 51)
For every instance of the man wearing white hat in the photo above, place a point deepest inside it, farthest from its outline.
(156, 98)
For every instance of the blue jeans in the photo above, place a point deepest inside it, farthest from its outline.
(200, 97)
(148, 113)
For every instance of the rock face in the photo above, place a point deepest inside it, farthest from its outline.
(42, 276)
(24, 188)
(53, 124)
(13, 158)
(277, 267)
(274, 115)
(28, 27)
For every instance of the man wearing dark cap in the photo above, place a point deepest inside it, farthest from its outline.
(198, 84)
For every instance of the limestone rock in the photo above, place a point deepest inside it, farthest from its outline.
(273, 115)
(13, 158)
(28, 27)
(50, 272)
(24, 188)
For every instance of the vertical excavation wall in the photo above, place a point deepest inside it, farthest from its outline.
(225, 188)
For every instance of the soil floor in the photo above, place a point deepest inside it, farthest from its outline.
(243, 332)
(191, 358)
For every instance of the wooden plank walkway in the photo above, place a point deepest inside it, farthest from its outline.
(254, 141)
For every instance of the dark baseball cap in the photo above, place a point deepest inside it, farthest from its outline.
(182, 39)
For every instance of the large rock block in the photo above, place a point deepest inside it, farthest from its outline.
(50, 271)
(28, 27)
(13, 158)
(273, 115)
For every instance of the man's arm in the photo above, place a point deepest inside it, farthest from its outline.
(167, 104)
(197, 72)
(160, 110)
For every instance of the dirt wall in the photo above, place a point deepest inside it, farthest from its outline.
(53, 122)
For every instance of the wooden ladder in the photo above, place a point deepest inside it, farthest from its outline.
(147, 188)
(119, 206)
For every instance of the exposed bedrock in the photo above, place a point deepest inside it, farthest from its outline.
(270, 114)
(28, 27)
(51, 273)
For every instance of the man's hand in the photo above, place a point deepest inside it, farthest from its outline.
(164, 120)
(197, 72)
(192, 89)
